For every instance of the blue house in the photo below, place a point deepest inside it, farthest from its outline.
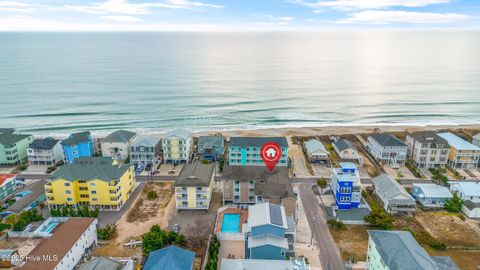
(78, 144)
(265, 234)
(170, 258)
(211, 147)
(431, 195)
(245, 151)
(346, 186)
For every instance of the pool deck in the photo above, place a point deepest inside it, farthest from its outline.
(243, 217)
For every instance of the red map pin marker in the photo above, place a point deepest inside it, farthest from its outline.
(271, 154)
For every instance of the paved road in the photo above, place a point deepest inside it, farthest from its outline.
(329, 253)
(110, 217)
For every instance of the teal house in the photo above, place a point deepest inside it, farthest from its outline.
(13, 147)
(170, 258)
(77, 145)
(7, 185)
(245, 151)
(265, 235)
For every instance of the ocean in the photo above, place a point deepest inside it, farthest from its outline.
(62, 82)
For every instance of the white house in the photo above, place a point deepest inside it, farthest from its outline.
(431, 195)
(47, 151)
(471, 209)
(347, 151)
(71, 239)
(476, 140)
(316, 151)
(117, 144)
(466, 190)
(387, 148)
(177, 146)
(394, 197)
(427, 149)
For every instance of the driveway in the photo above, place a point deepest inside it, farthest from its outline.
(329, 252)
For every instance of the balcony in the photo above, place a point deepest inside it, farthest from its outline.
(114, 198)
(48, 190)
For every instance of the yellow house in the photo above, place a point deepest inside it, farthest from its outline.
(194, 186)
(98, 182)
(463, 155)
(177, 146)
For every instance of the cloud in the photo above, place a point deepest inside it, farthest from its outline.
(10, 6)
(122, 18)
(387, 16)
(366, 4)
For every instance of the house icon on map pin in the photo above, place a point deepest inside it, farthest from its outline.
(271, 153)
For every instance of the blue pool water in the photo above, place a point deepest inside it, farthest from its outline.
(231, 223)
(48, 228)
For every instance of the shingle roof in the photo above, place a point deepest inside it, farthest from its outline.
(343, 144)
(179, 132)
(255, 264)
(121, 136)
(434, 190)
(399, 250)
(8, 137)
(210, 141)
(77, 138)
(457, 142)
(385, 139)
(445, 263)
(256, 141)
(471, 205)
(315, 146)
(43, 144)
(469, 189)
(102, 263)
(391, 188)
(428, 137)
(149, 141)
(267, 213)
(195, 175)
(170, 258)
(91, 168)
(64, 237)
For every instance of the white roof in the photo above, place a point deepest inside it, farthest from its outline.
(259, 241)
(264, 213)
(179, 132)
(146, 141)
(314, 146)
(457, 142)
(255, 264)
(477, 136)
(469, 189)
(434, 190)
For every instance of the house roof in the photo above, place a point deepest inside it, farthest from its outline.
(477, 136)
(385, 139)
(102, 263)
(313, 146)
(255, 264)
(9, 137)
(457, 142)
(43, 144)
(469, 189)
(471, 205)
(267, 214)
(197, 174)
(77, 138)
(91, 168)
(434, 190)
(269, 184)
(256, 141)
(119, 136)
(343, 144)
(64, 236)
(428, 137)
(399, 250)
(445, 263)
(210, 141)
(170, 258)
(264, 240)
(5, 177)
(179, 132)
(6, 253)
(149, 141)
(391, 188)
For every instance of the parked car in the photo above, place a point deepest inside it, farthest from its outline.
(139, 168)
(176, 228)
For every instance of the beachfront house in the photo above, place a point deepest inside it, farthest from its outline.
(256, 184)
(170, 258)
(316, 151)
(265, 233)
(476, 140)
(63, 245)
(431, 195)
(399, 250)
(146, 151)
(466, 190)
(211, 148)
(98, 182)
(463, 155)
(47, 151)
(13, 147)
(7, 185)
(77, 145)
(427, 149)
(245, 151)
(194, 186)
(394, 197)
(346, 186)
(347, 151)
(117, 144)
(177, 146)
(387, 149)
(105, 263)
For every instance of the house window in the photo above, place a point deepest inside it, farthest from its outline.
(67, 184)
(68, 192)
(69, 199)
(94, 192)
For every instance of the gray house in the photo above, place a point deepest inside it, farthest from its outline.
(145, 151)
(394, 197)
(387, 149)
(211, 147)
(117, 144)
(431, 195)
(316, 151)
(47, 151)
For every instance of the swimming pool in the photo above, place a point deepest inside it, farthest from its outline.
(48, 228)
(231, 223)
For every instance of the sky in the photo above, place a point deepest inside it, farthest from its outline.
(235, 15)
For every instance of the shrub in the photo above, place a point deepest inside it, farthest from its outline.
(336, 225)
(322, 182)
(453, 204)
(108, 232)
(51, 169)
(157, 238)
(23, 167)
(380, 219)
(205, 161)
(67, 211)
(152, 195)
(25, 217)
(5, 226)
(213, 250)
(438, 176)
